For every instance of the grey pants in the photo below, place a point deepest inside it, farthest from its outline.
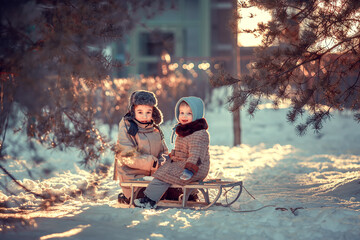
(156, 189)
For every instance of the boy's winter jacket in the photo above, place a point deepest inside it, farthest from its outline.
(137, 156)
(191, 150)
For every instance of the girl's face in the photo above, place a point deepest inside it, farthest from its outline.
(185, 114)
(143, 113)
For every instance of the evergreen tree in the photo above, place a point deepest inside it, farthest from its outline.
(51, 58)
(310, 54)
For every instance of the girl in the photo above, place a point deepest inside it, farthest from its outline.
(190, 160)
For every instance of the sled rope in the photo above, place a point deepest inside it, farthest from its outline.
(243, 211)
(249, 193)
(252, 210)
(293, 210)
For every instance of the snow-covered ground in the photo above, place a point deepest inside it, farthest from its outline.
(310, 187)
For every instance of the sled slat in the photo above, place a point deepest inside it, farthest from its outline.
(203, 187)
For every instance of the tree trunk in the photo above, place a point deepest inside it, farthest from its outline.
(237, 127)
(236, 114)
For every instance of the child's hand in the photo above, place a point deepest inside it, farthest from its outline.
(162, 160)
(186, 175)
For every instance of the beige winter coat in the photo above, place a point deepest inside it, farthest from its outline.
(194, 149)
(135, 155)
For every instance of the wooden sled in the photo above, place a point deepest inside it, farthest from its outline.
(204, 187)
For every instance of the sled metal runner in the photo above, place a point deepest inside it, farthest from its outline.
(203, 187)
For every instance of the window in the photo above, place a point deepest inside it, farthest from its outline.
(154, 43)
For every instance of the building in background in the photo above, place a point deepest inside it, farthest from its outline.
(190, 37)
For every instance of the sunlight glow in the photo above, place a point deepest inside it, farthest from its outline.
(69, 233)
(327, 177)
(286, 103)
(166, 223)
(157, 235)
(133, 224)
(251, 17)
(184, 220)
(148, 213)
(166, 57)
(252, 158)
(335, 7)
(53, 212)
(188, 66)
(204, 66)
(173, 66)
(164, 69)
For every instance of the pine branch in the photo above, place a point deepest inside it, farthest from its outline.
(19, 184)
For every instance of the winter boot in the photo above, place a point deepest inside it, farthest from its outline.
(122, 199)
(194, 196)
(145, 202)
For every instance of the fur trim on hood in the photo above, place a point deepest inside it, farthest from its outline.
(190, 128)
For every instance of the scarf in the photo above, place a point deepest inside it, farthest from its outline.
(190, 128)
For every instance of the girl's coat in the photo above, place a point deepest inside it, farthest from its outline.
(190, 149)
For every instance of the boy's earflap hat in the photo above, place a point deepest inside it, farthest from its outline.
(147, 98)
(196, 104)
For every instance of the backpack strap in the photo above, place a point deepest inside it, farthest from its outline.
(132, 131)
(133, 128)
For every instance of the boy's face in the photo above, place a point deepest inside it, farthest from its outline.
(185, 114)
(143, 113)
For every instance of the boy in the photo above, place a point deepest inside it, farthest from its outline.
(140, 143)
(190, 160)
